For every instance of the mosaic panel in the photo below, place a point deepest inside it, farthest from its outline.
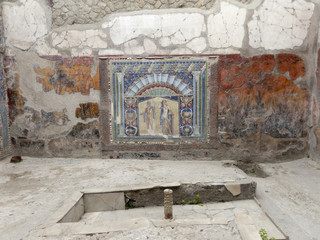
(158, 99)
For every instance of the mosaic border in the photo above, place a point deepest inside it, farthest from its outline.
(5, 149)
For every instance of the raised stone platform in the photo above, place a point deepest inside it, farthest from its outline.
(226, 221)
(38, 193)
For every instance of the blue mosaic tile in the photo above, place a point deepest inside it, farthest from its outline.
(4, 125)
(3, 91)
(158, 99)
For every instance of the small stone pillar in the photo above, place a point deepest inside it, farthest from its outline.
(168, 202)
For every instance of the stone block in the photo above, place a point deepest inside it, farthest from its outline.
(234, 189)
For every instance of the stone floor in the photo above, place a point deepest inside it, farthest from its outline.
(34, 189)
(291, 196)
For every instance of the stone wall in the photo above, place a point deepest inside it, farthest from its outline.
(268, 100)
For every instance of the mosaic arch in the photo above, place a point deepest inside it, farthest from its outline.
(158, 99)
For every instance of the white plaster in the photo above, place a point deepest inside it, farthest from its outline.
(178, 38)
(24, 22)
(181, 51)
(74, 38)
(57, 38)
(43, 49)
(10, 52)
(79, 39)
(94, 39)
(165, 42)
(133, 47)
(280, 24)
(197, 45)
(149, 46)
(110, 52)
(225, 29)
(75, 52)
(180, 27)
(222, 51)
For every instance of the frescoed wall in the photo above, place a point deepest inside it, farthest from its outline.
(157, 96)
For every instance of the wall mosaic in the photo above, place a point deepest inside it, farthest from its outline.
(159, 99)
(3, 91)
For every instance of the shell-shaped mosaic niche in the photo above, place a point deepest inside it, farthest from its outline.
(169, 84)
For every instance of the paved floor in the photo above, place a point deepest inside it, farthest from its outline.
(35, 188)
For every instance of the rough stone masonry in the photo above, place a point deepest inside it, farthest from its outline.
(268, 82)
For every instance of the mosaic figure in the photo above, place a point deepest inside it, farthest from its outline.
(149, 115)
(166, 119)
